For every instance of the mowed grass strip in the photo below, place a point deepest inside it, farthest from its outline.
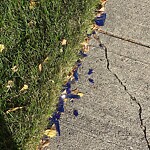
(31, 34)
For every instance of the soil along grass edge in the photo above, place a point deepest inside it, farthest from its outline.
(34, 64)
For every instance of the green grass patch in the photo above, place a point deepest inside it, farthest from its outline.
(30, 36)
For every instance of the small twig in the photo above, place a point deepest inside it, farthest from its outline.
(13, 109)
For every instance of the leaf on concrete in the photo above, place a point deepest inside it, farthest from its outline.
(51, 132)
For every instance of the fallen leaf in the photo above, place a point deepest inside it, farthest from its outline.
(46, 60)
(51, 132)
(44, 143)
(40, 67)
(80, 94)
(102, 9)
(2, 47)
(65, 100)
(25, 87)
(14, 69)
(61, 50)
(75, 91)
(32, 4)
(10, 84)
(64, 42)
(32, 23)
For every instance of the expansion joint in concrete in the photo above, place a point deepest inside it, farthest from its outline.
(142, 126)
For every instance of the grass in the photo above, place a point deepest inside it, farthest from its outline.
(29, 37)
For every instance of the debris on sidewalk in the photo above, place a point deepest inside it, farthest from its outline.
(53, 127)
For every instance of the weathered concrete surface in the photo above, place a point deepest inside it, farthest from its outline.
(114, 113)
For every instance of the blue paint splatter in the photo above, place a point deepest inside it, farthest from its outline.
(75, 112)
(91, 80)
(90, 71)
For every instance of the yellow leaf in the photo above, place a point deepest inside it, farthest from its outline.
(32, 5)
(14, 69)
(32, 23)
(10, 84)
(13, 109)
(2, 47)
(61, 50)
(51, 132)
(102, 9)
(46, 59)
(40, 67)
(84, 43)
(65, 100)
(43, 144)
(64, 42)
(25, 87)
(80, 94)
(75, 91)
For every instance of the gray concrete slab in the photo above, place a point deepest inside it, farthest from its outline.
(114, 113)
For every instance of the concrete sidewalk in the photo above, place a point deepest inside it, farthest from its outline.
(114, 113)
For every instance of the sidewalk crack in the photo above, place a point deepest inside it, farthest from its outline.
(142, 126)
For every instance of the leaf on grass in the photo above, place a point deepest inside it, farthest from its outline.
(90, 71)
(14, 68)
(70, 74)
(50, 132)
(13, 109)
(25, 87)
(32, 4)
(61, 50)
(10, 84)
(75, 112)
(46, 60)
(64, 42)
(40, 67)
(32, 23)
(82, 53)
(91, 80)
(2, 47)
